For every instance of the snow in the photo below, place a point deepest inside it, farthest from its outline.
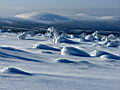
(22, 36)
(65, 61)
(38, 63)
(98, 53)
(59, 39)
(13, 70)
(73, 51)
(89, 38)
(113, 44)
(45, 47)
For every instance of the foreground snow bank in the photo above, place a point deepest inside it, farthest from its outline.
(74, 51)
(13, 70)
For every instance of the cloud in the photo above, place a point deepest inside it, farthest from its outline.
(26, 15)
(83, 16)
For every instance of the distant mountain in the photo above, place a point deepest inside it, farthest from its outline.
(80, 21)
(44, 17)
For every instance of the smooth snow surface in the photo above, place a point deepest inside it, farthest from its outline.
(36, 63)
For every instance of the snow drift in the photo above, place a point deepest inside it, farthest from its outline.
(65, 61)
(13, 70)
(74, 51)
(45, 47)
(103, 54)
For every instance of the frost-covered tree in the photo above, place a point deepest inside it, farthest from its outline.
(53, 32)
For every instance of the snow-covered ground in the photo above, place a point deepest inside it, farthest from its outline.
(37, 63)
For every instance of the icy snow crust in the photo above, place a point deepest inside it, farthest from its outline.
(39, 63)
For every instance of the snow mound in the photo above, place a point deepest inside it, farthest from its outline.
(59, 39)
(103, 54)
(113, 44)
(45, 47)
(72, 36)
(96, 35)
(111, 37)
(73, 51)
(90, 38)
(104, 41)
(64, 40)
(70, 42)
(110, 41)
(13, 70)
(65, 61)
(22, 36)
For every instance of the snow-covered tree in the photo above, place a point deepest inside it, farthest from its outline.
(54, 32)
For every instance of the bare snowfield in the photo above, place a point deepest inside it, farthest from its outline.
(37, 63)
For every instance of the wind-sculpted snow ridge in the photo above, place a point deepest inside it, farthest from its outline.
(14, 70)
(45, 47)
(17, 57)
(10, 48)
(66, 61)
(74, 51)
(103, 54)
(77, 62)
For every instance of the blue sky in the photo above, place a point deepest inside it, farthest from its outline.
(58, 6)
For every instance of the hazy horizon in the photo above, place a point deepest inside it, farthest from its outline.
(65, 7)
